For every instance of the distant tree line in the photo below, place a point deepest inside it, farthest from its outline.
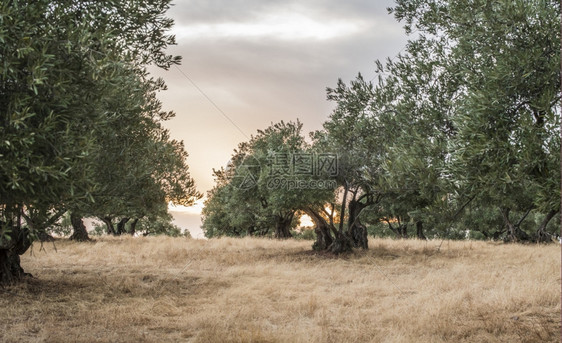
(81, 128)
(458, 137)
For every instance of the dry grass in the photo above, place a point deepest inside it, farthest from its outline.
(251, 290)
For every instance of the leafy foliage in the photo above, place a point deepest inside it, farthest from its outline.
(80, 117)
(460, 133)
(254, 193)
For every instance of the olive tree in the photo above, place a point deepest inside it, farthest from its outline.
(61, 62)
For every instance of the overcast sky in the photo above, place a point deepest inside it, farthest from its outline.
(263, 61)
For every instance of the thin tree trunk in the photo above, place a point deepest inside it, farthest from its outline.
(419, 230)
(109, 225)
(511, 235)
(79, 233)
(133, 227)
(44, 236)
(121, 226)
(542, 235)
(394, 230)
(342, 241)
(403, 229)
(343, 205)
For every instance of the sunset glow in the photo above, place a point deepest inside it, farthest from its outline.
(195, 209)
(306, 221)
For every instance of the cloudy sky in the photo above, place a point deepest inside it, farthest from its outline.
(262, 61)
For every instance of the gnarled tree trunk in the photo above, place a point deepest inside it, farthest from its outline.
(10, 251)
(10, 268)
(79, 229)
(322, 229)
(514, 233)
(342, 243)
(356, 230)
(283, 225)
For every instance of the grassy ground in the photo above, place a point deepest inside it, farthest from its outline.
(251, 290)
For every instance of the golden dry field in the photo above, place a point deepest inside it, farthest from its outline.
(160, 289)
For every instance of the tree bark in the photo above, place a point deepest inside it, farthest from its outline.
(392, 228)
(514, 233)
(121, 226)
(283, 226)
(511, 235)
(542, 235)
(10, 267)
(343, 205)
(322, 229)
(356, 229)
(342, 243)
(419, 230)
(133, 227)
(10, 250)
(79, 229)
(109, 224)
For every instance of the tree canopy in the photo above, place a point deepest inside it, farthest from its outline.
(464, 123)
(268, 180)
(76, 100)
